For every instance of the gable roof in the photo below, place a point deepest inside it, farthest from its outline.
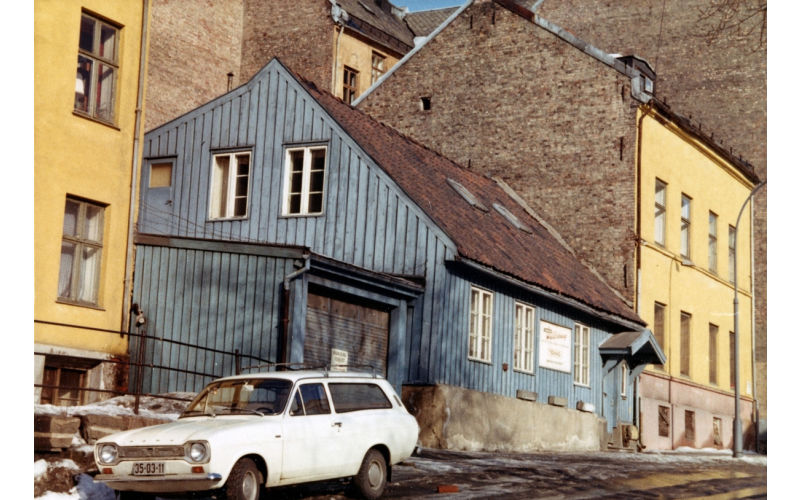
(423, 22)
(496, 232)
(374, 19)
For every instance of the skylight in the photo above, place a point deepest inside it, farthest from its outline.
(512, 218)
(467, 195)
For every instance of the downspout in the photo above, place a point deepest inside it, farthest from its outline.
(339, 16)
(135, 167)
(756, 409)
(285, 312)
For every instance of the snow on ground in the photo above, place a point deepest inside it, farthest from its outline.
(149, 406)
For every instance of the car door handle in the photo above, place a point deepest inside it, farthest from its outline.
(337, 424)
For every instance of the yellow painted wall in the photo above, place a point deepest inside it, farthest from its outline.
(85, 158)
(687, 167)
(356, 53)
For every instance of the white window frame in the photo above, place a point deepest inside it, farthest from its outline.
(305, 192)
(660, 217)
(524, 333)
(223, 186)
(581, 358)
(480, 325)
(623, 389)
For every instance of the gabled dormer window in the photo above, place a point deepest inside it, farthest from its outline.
(304, 180)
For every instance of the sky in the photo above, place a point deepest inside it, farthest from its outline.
(415, 5)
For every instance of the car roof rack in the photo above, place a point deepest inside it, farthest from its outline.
(325, 369)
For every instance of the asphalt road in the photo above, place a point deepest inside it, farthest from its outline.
(562, 475)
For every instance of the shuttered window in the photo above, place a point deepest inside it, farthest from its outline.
(686, 342)
(659, 316)
(659, 229)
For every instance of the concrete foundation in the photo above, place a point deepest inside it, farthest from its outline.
(455, 418)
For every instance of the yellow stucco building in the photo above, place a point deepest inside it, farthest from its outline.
(88, 67)
(690, 194)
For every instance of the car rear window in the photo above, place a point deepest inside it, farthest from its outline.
(357, 396)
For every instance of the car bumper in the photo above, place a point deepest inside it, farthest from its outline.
(173, 483)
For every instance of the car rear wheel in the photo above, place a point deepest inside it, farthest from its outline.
(244, 483)
(371, 479)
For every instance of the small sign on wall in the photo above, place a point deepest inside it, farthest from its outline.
(554, 347)
(338, 360)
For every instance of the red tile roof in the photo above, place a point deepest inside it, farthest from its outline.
(485, 237)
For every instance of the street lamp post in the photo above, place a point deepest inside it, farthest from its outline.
(737, 421)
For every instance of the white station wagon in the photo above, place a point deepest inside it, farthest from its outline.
(268, 429)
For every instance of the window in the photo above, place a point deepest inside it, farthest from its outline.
(732, 358)
(731, 253)
(659, 311)
(355, 397)
(160, 175)
(523, 337)
(623, 379)
(98, 65)
(62, 386)
(686, 320)
(686, 203)
(350, 85)
(713, 331)
(480, 325)
(305, 179)
(230, 185)
(688, 427)
(378, 66)
(581, 355)
(659, 230)
(310, 399)
(712, 242)
(663, 421)
(81, 251)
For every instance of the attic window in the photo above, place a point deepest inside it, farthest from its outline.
(425, 103)
(467, 195)
(648, 85)
(512, 218)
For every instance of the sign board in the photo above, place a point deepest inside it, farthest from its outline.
(554, 347)
(338, 360)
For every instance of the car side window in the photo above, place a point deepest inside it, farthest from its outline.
(310, 399)
(358, 396)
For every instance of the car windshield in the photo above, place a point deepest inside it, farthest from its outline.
(257, 396)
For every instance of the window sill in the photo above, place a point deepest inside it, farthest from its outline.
(227, 219)
(585, 386)
(79, 304)
(96, 120)
(526, 372)
(478, 360)
(295, 216)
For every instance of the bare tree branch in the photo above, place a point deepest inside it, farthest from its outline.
(738, 19)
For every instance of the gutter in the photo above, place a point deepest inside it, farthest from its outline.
(135, 168)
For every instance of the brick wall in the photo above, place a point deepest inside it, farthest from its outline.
(193, 46)
(299, 32)
(720, 84)
(510, 99)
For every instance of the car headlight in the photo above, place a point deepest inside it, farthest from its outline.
(107, 453)
(197, 452)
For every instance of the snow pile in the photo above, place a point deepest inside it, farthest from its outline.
(149, 406)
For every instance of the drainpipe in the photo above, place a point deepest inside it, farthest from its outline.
(285, 313)
(135, 167)
(339, 16)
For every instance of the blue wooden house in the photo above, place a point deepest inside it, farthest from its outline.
(281, 223)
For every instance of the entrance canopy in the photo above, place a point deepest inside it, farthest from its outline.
(637, 349)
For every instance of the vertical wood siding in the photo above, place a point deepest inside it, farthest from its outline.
(218, 300)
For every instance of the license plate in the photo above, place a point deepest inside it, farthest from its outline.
(148, 469)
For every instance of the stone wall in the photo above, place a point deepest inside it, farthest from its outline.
(455, 418)
(193, 45)
(509, 99)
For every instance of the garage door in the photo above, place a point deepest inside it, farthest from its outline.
(361, 331)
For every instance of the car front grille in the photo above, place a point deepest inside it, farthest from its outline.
(131, 452)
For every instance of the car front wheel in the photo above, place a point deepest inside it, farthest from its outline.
(244, 483)
(371, 479)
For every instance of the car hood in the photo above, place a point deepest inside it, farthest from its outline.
(193, 428)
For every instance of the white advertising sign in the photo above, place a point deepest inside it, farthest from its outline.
(554, 347)
(338, 360)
